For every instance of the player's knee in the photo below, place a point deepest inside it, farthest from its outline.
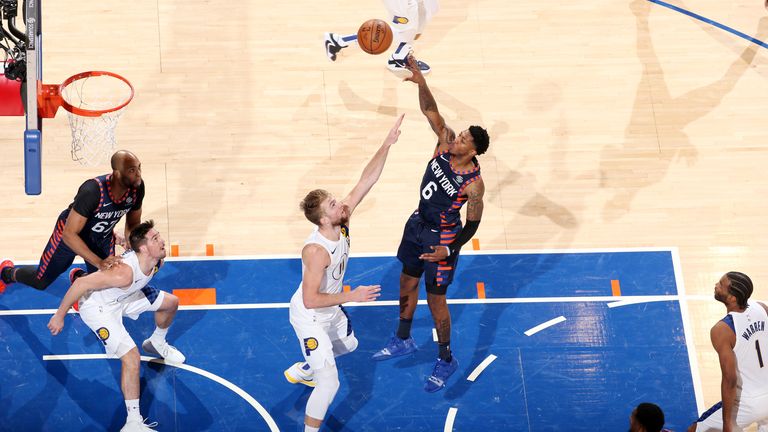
(351, 343)
(436, 289)
(131, 360)
(171, 301)
(692, 428)
(412, 272)
(327, 384)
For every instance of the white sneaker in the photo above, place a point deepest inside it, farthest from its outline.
(138, 425)
(166, 351)
(300, 373)
(333, 45)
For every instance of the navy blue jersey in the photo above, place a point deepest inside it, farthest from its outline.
(442, 191)
(94, 201)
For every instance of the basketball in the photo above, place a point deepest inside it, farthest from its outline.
(374, 36)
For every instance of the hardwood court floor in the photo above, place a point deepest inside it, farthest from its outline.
(613, 124)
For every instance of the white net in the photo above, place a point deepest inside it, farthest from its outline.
(93, 138)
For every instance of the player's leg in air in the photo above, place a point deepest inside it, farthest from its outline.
(407, 18)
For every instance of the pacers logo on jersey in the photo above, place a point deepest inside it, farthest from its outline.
(400, 20)
(310, 344)
(103, 334)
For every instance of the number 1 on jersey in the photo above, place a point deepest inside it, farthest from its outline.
(759, 354)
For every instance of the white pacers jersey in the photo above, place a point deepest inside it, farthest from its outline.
(332, 283)
(119, 294)
(751, 350)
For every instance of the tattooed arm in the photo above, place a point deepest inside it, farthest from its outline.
(475, 192)
(428, 107)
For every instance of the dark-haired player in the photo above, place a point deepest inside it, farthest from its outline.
(741, 342)
(433, 235)
(106, 296)
(86, 227)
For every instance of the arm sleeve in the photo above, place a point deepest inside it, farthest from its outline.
(87, 198)
(464, 236)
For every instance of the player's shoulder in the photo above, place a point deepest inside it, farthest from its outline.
(90, 185)
(312, 250)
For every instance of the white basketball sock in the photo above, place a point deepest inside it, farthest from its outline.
(132, 406)
(159, 334)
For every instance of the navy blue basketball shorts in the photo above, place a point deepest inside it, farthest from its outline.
(418, 236)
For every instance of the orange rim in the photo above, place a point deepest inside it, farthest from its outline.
(93, 113)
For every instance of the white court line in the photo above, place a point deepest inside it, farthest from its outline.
(507, 300)
(542, 326)
(79, 260)
(481, 367)
(689, 342)
(434, 334)
(242, 393)
(633, 302)
(449, 419)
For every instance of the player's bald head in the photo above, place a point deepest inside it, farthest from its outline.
(120, 158)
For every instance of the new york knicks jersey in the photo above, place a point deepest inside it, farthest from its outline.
(119, 294)
(751, 350)
(442, 191)
(332, 283)
(104, 215)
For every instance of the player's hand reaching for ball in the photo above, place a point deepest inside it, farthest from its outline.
(412, 65)
(394, 133)
(366, 293)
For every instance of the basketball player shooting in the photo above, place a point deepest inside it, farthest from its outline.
(433, 235)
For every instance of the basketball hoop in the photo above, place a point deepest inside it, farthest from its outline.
(94, 102)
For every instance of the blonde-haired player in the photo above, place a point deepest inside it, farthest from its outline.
(321, 324)
(408, 18)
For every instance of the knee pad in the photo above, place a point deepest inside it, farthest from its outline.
(345, 345)
(437, 289)
(327, 379)
(412, 272)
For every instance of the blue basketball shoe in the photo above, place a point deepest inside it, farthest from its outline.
(397, 67)
(443, 370)
(396, 347)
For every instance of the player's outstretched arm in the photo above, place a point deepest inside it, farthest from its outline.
(316, 259)
(119, 275)
(723, 340)
(428, 106)
(373, 170)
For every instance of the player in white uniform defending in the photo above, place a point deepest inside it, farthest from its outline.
(322, 326)
(741, 342)
(407, 18)
(106, 296)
